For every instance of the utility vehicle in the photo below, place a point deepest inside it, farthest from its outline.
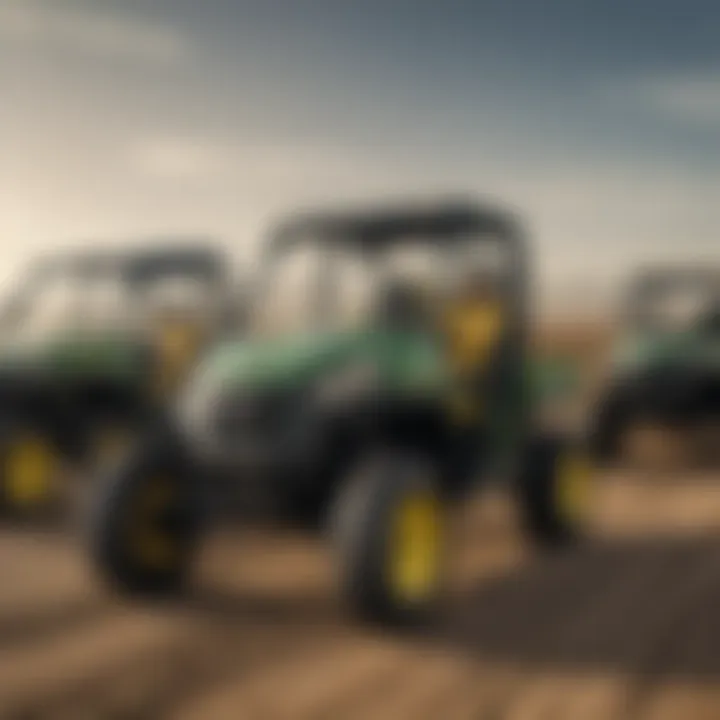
(665, 363)
(90, 343)
(383, 376)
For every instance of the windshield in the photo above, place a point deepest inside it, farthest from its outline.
(64, 298)
(69, 297)
(174, 293)
(672, 305)
(313, 285)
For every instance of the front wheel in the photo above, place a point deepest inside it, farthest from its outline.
(554, 491)
(145, 522)
(388, 532)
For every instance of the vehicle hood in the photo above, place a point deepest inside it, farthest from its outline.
(295, 360)
(641, 350)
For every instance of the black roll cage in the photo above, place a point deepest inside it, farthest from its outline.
(373, 230)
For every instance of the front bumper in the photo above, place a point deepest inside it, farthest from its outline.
(252, 433)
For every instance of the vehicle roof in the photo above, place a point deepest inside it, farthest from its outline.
(194, 260)
(378, 226)
(662, 275)
(140, 263)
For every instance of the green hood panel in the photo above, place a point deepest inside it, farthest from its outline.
(401, 359)
(647, 349)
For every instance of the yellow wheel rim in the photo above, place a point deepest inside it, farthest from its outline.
(574, 482)
(30, 468)
(416, 548)
(151, 544)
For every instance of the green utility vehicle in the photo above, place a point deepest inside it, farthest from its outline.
(90, 344)
(383, 376)
(665, 365)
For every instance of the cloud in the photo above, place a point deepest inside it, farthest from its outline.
(599, 209)
(264, 164)
(178, 158)
(691, 98)
(89, 31)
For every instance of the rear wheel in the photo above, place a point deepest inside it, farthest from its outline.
(554, 491)
(388, 531)
(145, 523)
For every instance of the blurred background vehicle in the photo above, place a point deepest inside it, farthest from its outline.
(91, 344)
(665, 361)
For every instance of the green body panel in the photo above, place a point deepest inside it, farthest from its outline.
(647, 350)
(404, 362)
(105, 355)
(407, 365)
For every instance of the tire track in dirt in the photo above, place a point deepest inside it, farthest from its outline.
(618, 626)
(321, 682)
(609, 617)
(78, 658)
(140, 665)
(579, 614)
(44, 625)
(47, 591)
(682, 702)
(662, 649)
(427, 680)
(550, 694)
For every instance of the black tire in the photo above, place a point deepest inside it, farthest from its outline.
(545, 520)
(362, 518)
(114, 553)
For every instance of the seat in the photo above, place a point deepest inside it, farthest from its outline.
(402, 304)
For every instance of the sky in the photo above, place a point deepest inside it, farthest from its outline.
(598, 121)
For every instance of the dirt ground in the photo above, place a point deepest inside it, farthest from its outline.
(625, 627)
